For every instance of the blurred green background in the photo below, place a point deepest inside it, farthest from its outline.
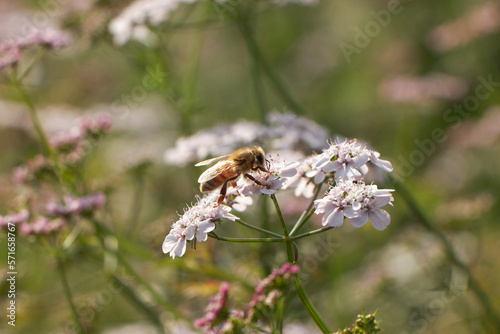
(398, 89)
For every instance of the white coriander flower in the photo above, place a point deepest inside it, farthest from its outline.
(348, 159)
(195, 224)
(291, 132)
(286, 132)
(217, 141)
(357, 201)
(306, 178)
(236, 201)
(279, 172)
(133, 20)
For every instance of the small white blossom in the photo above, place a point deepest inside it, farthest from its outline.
(132, 22)
(236, 201)
(306, 178)
(290, 132)
(279, 172)
(217, 141)
(285, 132)
(195, 224)
(357, 201)
(348, 159)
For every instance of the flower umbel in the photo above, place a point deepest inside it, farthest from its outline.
(357, 201)
(279, 171)
(196, 222)
(348, 159)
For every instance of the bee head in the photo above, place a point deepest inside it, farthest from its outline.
(259, 156)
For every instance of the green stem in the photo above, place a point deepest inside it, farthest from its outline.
(307, 212)
(258, 228)
(136, 206)
(36, 59)
(135, 299)
(279, 316)
(450, 252)
(261, 60)
(100, 231)
(246, 240)
(313, 312)
(189, 86)
(67, 293)
(280, 215)
(34, 119)
(303, 235)
(254, 70)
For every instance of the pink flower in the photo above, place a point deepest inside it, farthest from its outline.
(76, 205)
(14, 218)
(216, 311)
(43, 225)
(11, 51)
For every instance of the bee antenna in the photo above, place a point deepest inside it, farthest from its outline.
(268, 164)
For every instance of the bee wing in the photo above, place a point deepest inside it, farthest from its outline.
(216, 170)
(211, 161)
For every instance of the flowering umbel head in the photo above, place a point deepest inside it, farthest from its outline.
(195, 224)
(357, 201)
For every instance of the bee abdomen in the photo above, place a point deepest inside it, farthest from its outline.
(212, 184)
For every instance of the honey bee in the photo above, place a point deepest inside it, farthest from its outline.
(229, 168)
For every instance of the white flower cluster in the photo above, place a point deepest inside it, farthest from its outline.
(133, 21)
(196, 222)
(341, 165)
(357, 201)
(345, 159)
(277, 178)
(285, 132)
(217, 141)
(348, 159)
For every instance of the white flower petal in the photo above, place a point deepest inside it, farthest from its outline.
(179, 249)
(319, 178)
(169, 243)
(360, 220)
(380, 219)
(334, 218)
(384, 164)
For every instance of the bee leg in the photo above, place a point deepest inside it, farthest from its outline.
(260, 168)
(253, 179)
(234, 184)
(223, 191)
